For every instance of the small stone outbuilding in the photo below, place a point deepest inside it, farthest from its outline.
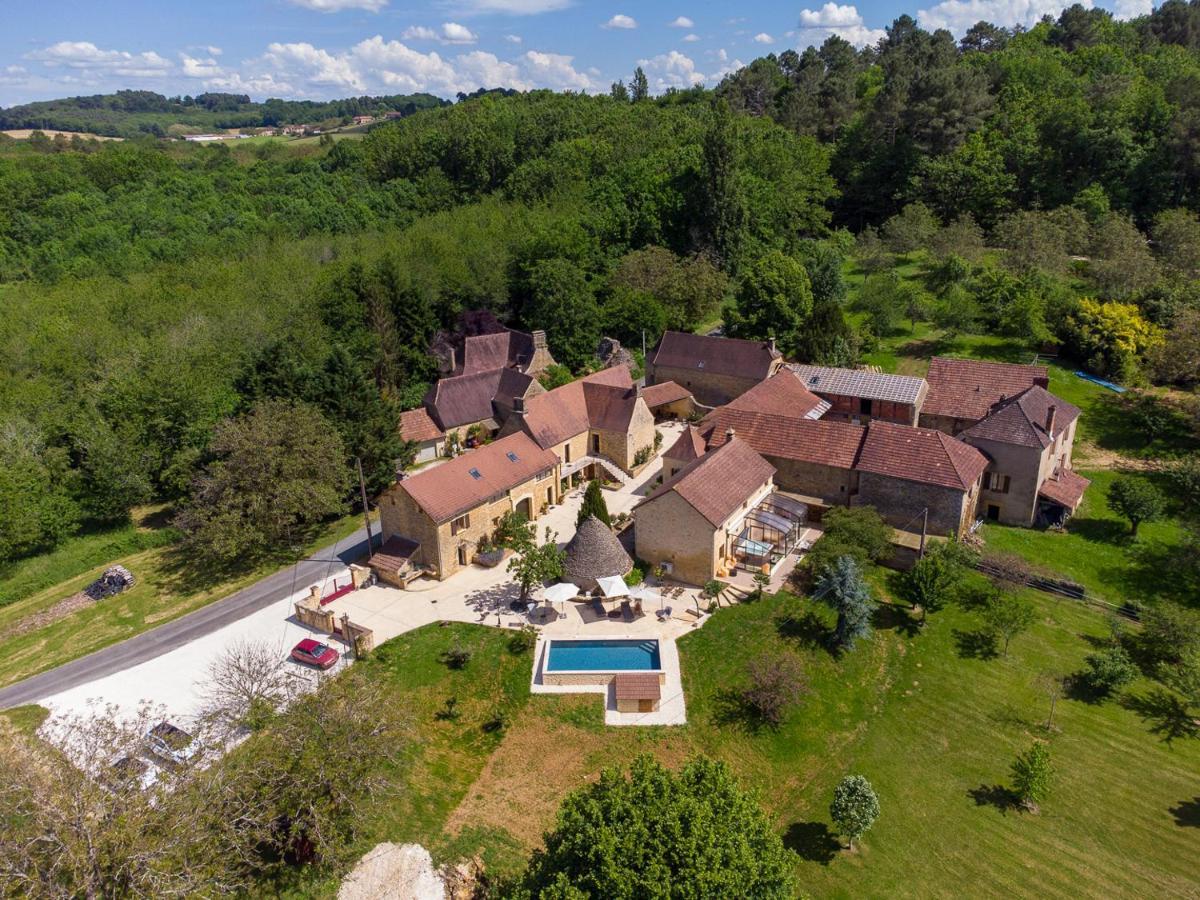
(593, 553)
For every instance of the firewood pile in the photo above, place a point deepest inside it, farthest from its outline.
(114, 580)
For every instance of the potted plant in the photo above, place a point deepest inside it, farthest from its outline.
(488, 553)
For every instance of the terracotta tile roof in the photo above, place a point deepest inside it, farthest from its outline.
(1023, 419)
(666, 392)
(858, 383)
(782, 394)
(1064, 488)
(921, 455)
(465, 482)
(717, 484)
(688, 446)
(818, 441)
(637, 686)
(566, 411)
(723, 356)
(416, 425)
(968, 388)
(394, 554)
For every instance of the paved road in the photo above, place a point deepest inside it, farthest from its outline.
(178, 632)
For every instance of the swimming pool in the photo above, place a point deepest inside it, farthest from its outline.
(585, 655)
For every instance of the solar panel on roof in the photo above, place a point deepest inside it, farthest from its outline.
(475, 474)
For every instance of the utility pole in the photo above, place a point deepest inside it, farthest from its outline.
(924, 528)
(362, 487)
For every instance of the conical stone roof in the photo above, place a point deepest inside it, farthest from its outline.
(595, 552)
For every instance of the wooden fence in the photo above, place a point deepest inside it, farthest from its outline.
(1060, 587)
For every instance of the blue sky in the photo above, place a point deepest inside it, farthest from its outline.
(334, 48)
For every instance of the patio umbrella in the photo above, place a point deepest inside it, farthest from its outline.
(646, 595)
(564, 590)
(613, 586)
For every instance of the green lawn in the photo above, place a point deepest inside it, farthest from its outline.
(932, 725)
(167, 585)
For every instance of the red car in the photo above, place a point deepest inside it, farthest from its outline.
(314, 653)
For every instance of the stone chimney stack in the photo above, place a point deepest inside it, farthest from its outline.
(1051, 413)
(771, 345)
(539, 340)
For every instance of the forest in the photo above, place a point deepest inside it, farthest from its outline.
(131, 114)
(1041, 185)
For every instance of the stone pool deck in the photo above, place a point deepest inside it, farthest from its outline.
(672, 710)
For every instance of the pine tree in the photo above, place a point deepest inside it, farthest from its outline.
(842, 587)
(639, 87)
(593, 505)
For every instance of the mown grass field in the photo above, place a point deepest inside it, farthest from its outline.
(934, 726)
(168, 585)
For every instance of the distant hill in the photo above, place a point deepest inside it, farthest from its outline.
(134, 113)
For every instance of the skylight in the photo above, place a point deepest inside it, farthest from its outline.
(512, 457)
(475, 474)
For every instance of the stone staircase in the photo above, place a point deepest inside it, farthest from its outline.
(611, 468)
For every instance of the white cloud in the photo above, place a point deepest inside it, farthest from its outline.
(671, 70)
(554, 70)
(512, 7)
(513, 38)
(86, 56)
(418, 33)
(621, 21)
(453, 33)
(332, 6)
(259, 85)
(213, 51)
(1133, 9)
(682, 22)
(200, 68)
(763, 38)
(845, 21)
(959, 15)
(690, 38)
(314, 65)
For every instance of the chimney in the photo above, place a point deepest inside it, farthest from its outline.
(518, 406)
(1050, 415)
(539, 340)
(771, 345)
(637, 391)
(729, 433)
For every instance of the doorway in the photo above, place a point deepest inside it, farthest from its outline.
(993, 512)
(462, 554)
(525, 508)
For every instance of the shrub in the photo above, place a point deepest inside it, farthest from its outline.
(1031, 772)
(456, 657)
(524, 640)
(776, 685)
(1109, 671)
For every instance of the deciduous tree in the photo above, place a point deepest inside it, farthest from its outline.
(855, 807)
(1136, 499)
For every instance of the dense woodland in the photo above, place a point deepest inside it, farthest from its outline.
(130, 114)
(1041, 185)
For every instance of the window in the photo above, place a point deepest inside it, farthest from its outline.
(475, 474)
(864, 406)
(994, 481)
(512, 457)
(462, 523)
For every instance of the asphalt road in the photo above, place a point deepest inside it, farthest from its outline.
(178, 632)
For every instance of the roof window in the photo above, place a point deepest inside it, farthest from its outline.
(475, 474)
(512, 457)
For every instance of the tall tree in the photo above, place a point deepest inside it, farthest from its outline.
(855, 807)
(562, 303)
(696, 832)
(843, 587)
(639, 87)
(593, 505)
(773, 299)
(722, 214)
(278, 470)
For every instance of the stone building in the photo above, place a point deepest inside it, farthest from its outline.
(496, 347)
(963, 391)
(688, 447)
(1028, 440)
(443, 513)
(597, 425)
(691, 523)
(859, 397)
(478, 400)
(714, 369)
(904, 471)
(417, 426)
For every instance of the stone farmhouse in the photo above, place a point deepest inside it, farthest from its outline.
(714, 369)
(435, 520)
(963, 391)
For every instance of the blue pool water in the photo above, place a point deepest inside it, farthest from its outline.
(603, 656)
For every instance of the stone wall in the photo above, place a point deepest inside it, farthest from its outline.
(622, 446)
(833, 485)
(900, 502)
(708, 388)
(945, 424)
(669, 530)
(587, 678)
